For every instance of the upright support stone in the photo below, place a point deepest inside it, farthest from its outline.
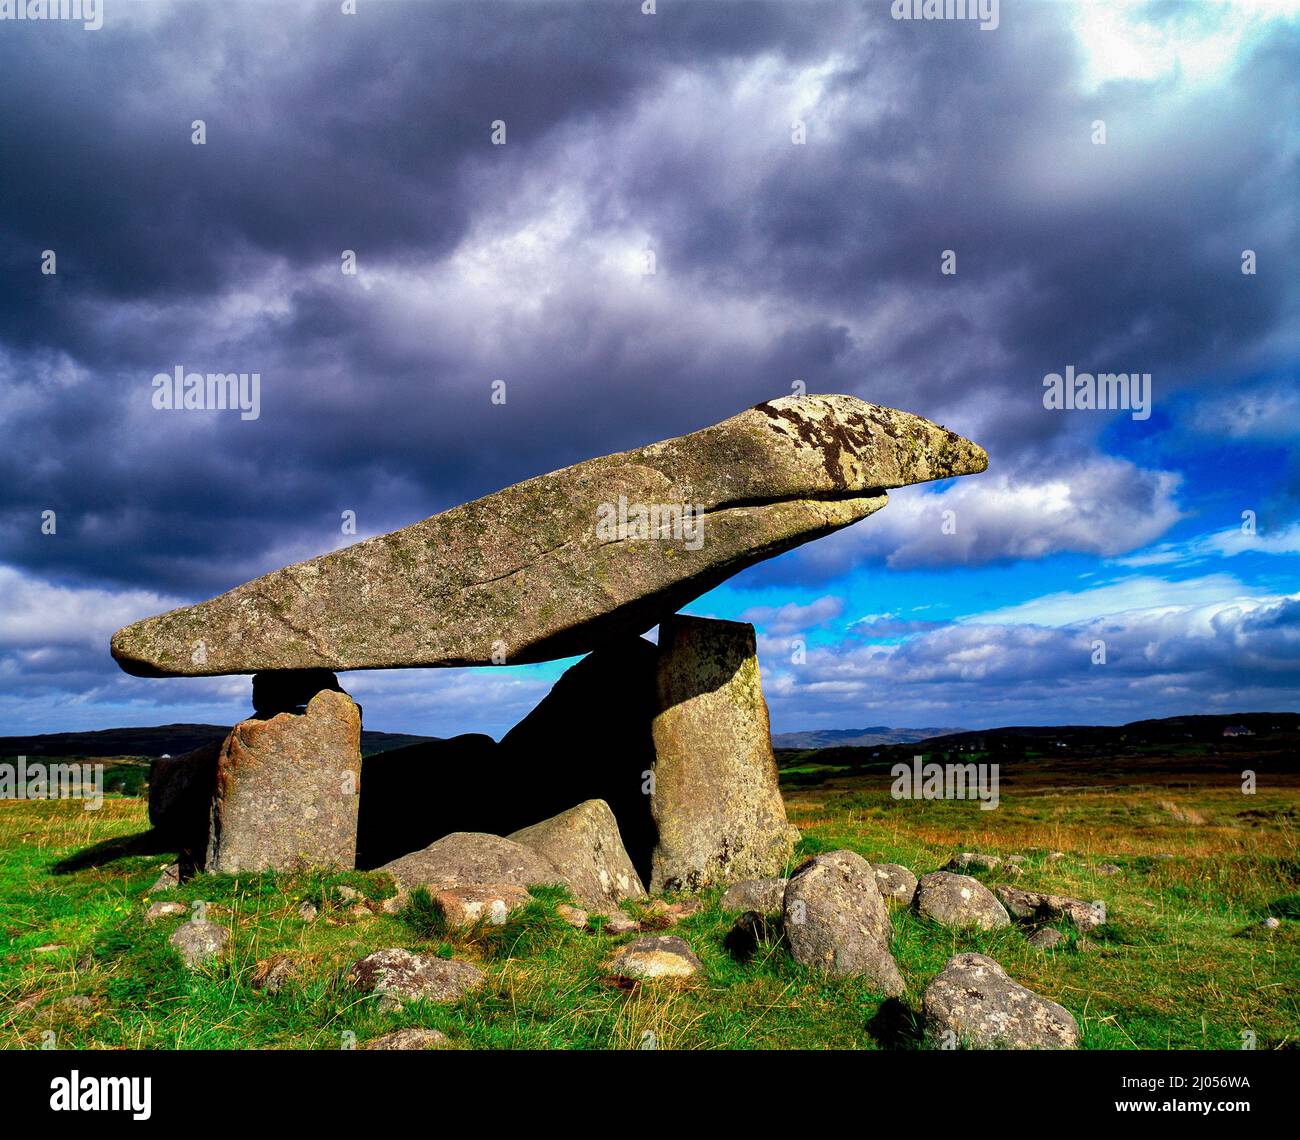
(287, 790)
(715, 798)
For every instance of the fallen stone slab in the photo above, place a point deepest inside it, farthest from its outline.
(715, 797)
(471, 859)
(972, 1003)
(763, 896)
(835, 920)
(654, 958)
(559, 564)
(958, 900)
(584, 843)
(398, 976)
(1035, 906)
(287, 791)
(895, 881)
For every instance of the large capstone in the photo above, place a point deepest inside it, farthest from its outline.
(715, 798)
(562, 563)
(287, 790)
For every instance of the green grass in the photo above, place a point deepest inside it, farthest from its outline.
(1182, 963)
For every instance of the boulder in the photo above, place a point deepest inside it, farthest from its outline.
(1046, 938)
(654, 958)
(585, 845)
(286, 790)
(895, 881)
(972, 1003)
(958, 900)
(199, 942)
(398, 976)
(835, 920)
(471, 859)
(557, 565)
(715, 798)
(410, 1038)
(763, 896)
(972, 861)
(1034, 906)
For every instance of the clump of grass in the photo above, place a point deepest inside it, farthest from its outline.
(424, 915)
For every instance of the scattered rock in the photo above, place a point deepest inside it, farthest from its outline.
(1107, 869)
(1034, 906)
(1046, 938)
(762, 895)
(1012, 870)
(895, 881)
(653, 958)
(1016, 859)
(661, 912)
(308, 912)
(585, 843)
(972, 861)
(199, 941)
(399, 976)
(270, 974)
(1271, 923)
(972, 1003)
(170, 877)
(618, 922)
(767, 480)
(835, 920)
(286, 792)
(470, 859)
(77, 1003)
(958, 900)
(1053, 856)
(492, 903)
(574, 916)
(348, 894)
(165, 910)
(410, 1038)
(715, 797)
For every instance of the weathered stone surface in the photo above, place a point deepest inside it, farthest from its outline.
(490, 903)
(1046, 938)
(529, 567)
(835, 920)
(653, 958)
(895, 882)
(763, 896)
(1035, 906)
(619, 922)
(575, 916)
(1107, 869)
(398, 976)
(715, 800)
(974, 1002)
(584, 843)
(170, 877)
(470, 859)
(958, 900)
(410, 1038)
(287, 790)
(180, 799)
(199, 942)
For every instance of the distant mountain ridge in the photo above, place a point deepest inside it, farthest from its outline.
(157, 740)
(857, 737)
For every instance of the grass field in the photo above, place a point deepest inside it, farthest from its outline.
(1181, 964)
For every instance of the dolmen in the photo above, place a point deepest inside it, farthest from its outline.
(670, 739)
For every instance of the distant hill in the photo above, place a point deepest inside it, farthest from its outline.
(165, 738)
(857, 737)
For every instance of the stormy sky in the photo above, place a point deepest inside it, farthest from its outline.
(797, 170)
